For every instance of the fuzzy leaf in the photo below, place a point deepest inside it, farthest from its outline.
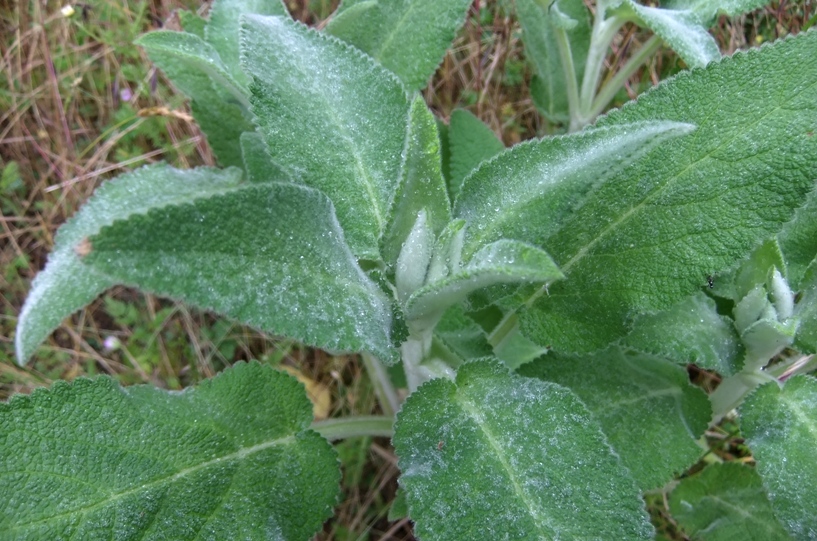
(780, 426)
(66, 285)
(471, 143)
(798, 241)
(497, 456)
(650, 235)
(461, 335)
(646, 407)
(683, 30)
(421, 187)
(692, 331)
(725, 502)
(233, 458)
(501, 262)
(332, 118)
(408, 37)
(806, 311)
(526, 192)
(218, 101)
(222, 28)
(257, 162)
(269, 255)
(708, 9)
(192, 23)
(539, 29)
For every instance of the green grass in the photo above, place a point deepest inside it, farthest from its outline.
(79, 104)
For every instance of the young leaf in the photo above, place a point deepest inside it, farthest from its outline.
(66, 285)
(222, 28)
(646, 406)
(269, 255)
(461, 335)
(525, 192)
(650, 235)
(471, 143)
(233, 458)
(332, 118)
(497, 456)
(780, 426)
(723, 503)
(682, 29)
(806, 311)
(421, 185)
(691, 331)
(408, 37)
(501, 262)
(541, 48)
(192, 23)
(218, 102)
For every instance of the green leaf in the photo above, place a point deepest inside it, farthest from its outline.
(471, 143)
(233, 458)
(526, 192)
(650, 235)
(780, 426)
(497, 456)
(461, 335)
(501, 262)
(708, 9)
(257, 162)
(725, 502)
(332, 118)
(269, 255)
(218, 105)
(66, 285)
(222, 31)
(683, 30)
(646, 407)
(538, 28)
(806, 312)
(691, 331)
(421, 186)
(192, 23)
(408, 37)
(755, 270)
(798, 241)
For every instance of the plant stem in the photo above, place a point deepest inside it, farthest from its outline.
(350, 427)
(384, 390)
(571, 84)
(731, 392)
(604, 30)
(503, 329)
(606, 95)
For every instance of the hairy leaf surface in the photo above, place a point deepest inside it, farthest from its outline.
(421, 186)
(233, 458)
(780, 426)
(798, 241)
(526, 192)
(332, 118)
(218, 101)
(692, 331)
(270, 255)
(471, 142)
(646, 407)
(66, 285)
(542, 50)
(257, 162)
(497, 456)
(408, 37)
(725, 502)
(501, 262)
(222, 28)
(653, 232)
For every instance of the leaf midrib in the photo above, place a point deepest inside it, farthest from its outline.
(240, 454)
(545, 530)
(659, 191)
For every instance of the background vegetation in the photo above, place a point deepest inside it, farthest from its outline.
(79, 104)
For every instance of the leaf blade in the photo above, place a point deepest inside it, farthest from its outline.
(474, 462)
(66, 285)
(202, 464)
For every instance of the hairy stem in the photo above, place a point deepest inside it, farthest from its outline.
(571, 84)
(606, 95)
(604, 30)
(384, 390)
(350, 427)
